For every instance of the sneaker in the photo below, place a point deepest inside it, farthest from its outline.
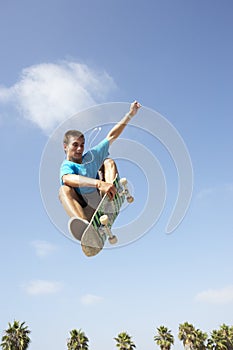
(77, 226)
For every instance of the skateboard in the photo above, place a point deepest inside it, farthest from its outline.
(99, 228)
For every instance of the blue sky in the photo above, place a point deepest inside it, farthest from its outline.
(59, 58)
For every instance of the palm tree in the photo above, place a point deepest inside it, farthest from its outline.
(227, 334)
(187, 335)
(200, 340)
(77, 340)
(221, 339)
(124, 342)
(164, 338)
(16, 337)
(215, 342)
(193, 339)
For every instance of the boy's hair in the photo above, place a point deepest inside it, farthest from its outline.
(72, 133)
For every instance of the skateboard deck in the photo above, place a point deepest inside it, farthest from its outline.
(95, 235)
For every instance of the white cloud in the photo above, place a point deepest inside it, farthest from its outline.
(5, 94)
(90, 299)
(206, 193)
(216, 296)
(43, 248)
(41, 287)
(211, 191)
(49, 93)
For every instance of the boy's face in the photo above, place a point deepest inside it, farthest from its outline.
(74, 149)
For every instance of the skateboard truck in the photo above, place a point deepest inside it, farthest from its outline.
(104, 220)
(125, 191)
(104, 223)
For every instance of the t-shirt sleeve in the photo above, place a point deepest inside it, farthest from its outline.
(66, 168)
(102, 150)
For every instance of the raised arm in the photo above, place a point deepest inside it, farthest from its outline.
(119, 127)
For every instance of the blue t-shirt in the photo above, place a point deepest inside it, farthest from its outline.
(91, 162)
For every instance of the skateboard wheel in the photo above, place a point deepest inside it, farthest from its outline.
(130, 199)
(104, 220)
(123, 181)
(112, 240)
